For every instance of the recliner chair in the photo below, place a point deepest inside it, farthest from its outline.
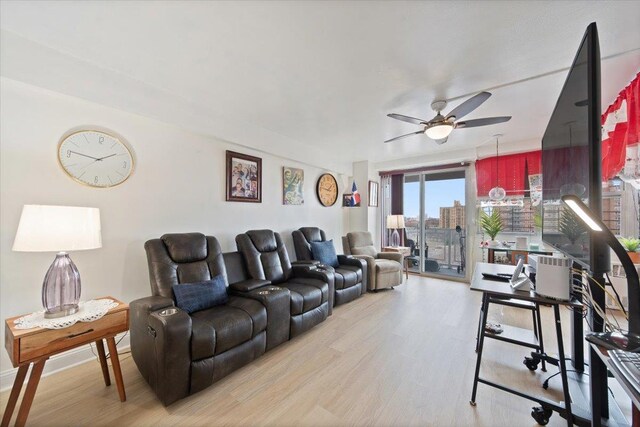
(350, 277)
(384, 268)
(179, 353)
(311, 290)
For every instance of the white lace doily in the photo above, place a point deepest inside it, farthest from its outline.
(87, 312)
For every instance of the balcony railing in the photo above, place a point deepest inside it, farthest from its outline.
(441, 249)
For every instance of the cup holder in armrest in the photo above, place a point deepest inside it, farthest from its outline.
(168, 312)
(269, 290)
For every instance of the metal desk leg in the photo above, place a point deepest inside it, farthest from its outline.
(563, 366)
(483, 324)
(539, 335)
(479, 324)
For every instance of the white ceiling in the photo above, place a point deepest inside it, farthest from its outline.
(310, 79)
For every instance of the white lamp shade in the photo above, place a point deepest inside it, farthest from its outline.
(395, 221)
(58, 229)
(439, 131)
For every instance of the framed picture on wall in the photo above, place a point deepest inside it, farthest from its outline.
(373, 194)
(346, 200)
(244, 178)
(292, 185)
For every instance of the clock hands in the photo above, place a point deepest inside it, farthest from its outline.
(96, 159)
(84, 155)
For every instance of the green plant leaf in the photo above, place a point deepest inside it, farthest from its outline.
(491, 224)
(630, 244)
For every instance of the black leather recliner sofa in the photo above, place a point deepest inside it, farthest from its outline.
(350, 276)
(311, 290)
(178, 353)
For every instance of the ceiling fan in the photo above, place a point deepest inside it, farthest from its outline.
(441, 126)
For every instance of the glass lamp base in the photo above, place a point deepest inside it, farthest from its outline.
(395, 239)
(64, 310)
(61, 287)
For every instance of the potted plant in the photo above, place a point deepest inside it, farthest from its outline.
(572, 229)
(631, 245)
(491, 224)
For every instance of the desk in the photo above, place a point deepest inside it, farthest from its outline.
(404, 250)
(34, 346)
(500, 290)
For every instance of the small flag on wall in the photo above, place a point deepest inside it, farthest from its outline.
(355, 196)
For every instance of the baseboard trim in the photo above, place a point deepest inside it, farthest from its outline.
(62, 361)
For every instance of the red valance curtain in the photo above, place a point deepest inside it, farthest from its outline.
(620, 129)
(509, 172)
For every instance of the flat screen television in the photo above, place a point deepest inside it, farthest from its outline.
(572, 159)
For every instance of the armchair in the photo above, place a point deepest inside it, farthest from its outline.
(311, 290)
(384, 268)
(178, 353)
(350, 276)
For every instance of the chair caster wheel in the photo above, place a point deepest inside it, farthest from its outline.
(472, 403)
(541, 415)
(531, 363)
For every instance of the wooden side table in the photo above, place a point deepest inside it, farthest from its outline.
(34, 346)
(404, 250)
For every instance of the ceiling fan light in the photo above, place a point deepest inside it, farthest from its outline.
(439, 131)
(497, 193)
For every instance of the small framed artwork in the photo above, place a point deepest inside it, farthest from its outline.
(346, 200)
(501, 257)
(373, 194)
(517, 255)
(244, 178)
(292, 185)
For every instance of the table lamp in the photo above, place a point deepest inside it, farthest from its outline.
(59, 229)
(395, 223)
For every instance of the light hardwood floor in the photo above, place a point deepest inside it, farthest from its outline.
(402, 357)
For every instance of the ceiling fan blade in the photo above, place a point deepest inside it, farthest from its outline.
(404, 136)
(407, 119)
(469, 105)
(482, 122)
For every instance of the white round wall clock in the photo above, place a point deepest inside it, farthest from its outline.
(95, 158)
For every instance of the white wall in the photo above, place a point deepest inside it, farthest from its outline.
(177, 186)
(365, 218)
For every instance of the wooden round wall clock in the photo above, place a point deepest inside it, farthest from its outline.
(327, 189)
(95, 158)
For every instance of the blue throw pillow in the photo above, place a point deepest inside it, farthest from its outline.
(325, 253)
(197, 296)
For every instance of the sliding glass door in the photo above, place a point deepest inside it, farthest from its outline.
(434, 210)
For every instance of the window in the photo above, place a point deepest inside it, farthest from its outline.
(519, 216)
